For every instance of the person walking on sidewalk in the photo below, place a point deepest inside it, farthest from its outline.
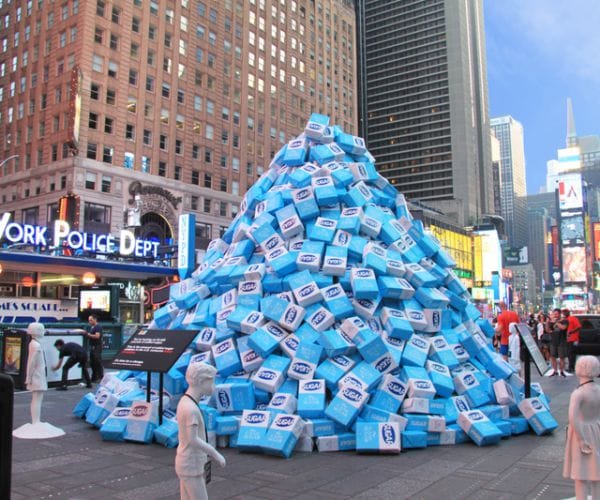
(558, 346)
(573, 329)
(95, 338)
(76, 354)
(505, 318)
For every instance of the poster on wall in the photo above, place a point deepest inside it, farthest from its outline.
(574, 265)
(11, 362)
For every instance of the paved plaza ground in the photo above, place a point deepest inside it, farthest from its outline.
(80, 465)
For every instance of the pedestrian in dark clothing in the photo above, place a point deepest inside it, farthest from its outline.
(76, 354)
(95, 338)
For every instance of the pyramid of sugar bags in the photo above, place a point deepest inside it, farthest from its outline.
(334, 320)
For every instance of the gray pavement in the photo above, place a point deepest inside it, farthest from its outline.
(80, 465)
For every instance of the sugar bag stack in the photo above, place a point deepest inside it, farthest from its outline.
(335, 322)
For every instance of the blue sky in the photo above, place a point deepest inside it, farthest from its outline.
(539, 52)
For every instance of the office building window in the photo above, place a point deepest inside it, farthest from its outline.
(111, 96)
(92, 149)
(107, 154)
(30, 215)
(106, 183)
(93, 121)
(133, 77)
(93, 212)
(90, 180)
(108, 125)
(130, 132)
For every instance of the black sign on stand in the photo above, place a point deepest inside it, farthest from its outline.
(153, 351)
(531, 353)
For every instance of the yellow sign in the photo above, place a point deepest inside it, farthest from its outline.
(458, 245)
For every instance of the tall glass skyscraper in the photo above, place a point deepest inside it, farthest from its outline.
(424, 103)
(513, 189)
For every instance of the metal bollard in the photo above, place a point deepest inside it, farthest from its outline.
(6, 423)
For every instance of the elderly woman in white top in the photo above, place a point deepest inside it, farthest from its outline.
(582, 451)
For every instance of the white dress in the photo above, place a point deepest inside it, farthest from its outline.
(584, 415)
(35, 380)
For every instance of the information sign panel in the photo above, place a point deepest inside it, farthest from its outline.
(153, 350)
(538, 358)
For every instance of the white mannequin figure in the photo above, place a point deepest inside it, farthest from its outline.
(36, 382)
(193, 450)
(582, 452)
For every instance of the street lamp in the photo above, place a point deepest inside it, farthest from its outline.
(3, 162)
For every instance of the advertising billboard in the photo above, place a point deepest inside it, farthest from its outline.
(456, 244)
(574, 265)
(570, 192)
(487, 255)
(555, 247)
(515, 256)
(596, 237)
(572, 230)
(569, 159)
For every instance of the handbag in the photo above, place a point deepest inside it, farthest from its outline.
(546, 338)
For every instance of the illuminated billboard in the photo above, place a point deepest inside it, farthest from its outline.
(596, 231)
(555, 248)
(487, 255)
(572, 230)
(574, 265)
(456, 244)
(570, 192)
(569, 159)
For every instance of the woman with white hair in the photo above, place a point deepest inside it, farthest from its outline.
(582, 452)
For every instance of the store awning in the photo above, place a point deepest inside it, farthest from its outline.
(21, 261)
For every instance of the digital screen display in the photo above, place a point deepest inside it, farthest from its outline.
(102, 301)
(574, 265)
(98, 300)
(572, 230)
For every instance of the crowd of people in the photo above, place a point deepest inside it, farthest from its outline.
(557, 335)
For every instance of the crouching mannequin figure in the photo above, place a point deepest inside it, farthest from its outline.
(582, 452)
(193, 451)
(36, 382)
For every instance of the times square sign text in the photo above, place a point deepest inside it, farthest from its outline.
(26, 234)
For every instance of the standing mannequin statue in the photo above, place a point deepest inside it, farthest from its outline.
(582, 452)
(193, 451)
(36, 382)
